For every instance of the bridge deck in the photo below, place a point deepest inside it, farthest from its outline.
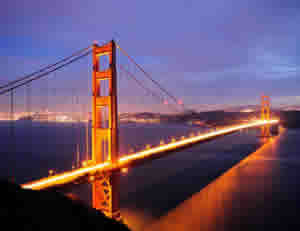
(81, 173)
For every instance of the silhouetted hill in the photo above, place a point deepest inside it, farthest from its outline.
(48, 210)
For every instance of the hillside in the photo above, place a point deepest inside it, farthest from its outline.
(45, 210)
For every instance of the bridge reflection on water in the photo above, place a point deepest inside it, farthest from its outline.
(228, 199)
(258, 193)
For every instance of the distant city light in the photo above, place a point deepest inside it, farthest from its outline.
(124, 170)
(247, 110)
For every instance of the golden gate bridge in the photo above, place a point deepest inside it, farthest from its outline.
(103, 170)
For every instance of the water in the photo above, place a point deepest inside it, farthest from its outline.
(258, 193)
(31, 149)
(220, 185)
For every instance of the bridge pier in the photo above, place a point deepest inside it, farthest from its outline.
(105, 128)
(106, 194)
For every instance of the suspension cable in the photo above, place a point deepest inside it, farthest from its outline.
(45, 74)
(148, 90)
(149, 76)
(44, 68)
(140, 83)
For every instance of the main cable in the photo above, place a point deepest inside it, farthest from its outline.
(141, 84)
(149, 76)
(154, 95)
(44, 68)
(45, 74)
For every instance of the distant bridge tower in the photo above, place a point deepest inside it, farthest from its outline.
(105, 128)
(265, 115)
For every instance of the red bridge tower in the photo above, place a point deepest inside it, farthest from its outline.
(265, 115)
(105, 128)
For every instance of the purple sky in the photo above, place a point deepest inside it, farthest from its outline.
(205, 52)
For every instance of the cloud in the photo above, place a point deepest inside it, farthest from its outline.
(215, 52)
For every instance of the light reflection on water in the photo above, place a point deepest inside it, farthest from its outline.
(157, 187)
(249, 196)
(136, 219)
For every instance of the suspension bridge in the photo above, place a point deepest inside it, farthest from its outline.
(103, 169)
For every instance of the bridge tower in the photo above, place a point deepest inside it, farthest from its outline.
(265, 115)
(105, 187)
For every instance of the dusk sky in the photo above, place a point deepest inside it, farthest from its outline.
(205, 52)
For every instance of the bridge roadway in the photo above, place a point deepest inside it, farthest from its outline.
(85, 173)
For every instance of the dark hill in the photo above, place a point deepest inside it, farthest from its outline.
(48, 210)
